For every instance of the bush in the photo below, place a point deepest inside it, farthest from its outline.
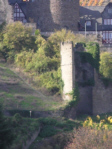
(48, 131)
(17, 119)
(106, 64)
(90, 138)
(16, 37)
(47, 121)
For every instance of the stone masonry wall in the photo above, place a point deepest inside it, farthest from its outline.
(67, 68)
(54, 14)
(102, 97)
(5, 11)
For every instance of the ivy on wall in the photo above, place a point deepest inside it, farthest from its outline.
(92, 54)
(93, 49)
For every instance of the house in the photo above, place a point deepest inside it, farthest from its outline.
(97, 19)
(58, 14)
(48, 15)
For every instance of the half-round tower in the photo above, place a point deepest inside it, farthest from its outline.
(54, 14)
(5, 12)
(65, 14)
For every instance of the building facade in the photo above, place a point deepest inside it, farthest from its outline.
(49, 15)
(97, 19)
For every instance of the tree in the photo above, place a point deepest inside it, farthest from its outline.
(16, 37)
(106, 64)
(53, 44)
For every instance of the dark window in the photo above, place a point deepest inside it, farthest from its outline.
(88, 23)
(18, 14)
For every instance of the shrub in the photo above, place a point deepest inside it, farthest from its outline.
(90, 138)
(16, 37)
(47, 131)
(17, 119)
(106, 64)
(47, 121)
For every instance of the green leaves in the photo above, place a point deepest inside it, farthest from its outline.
(93, 49)
(106, 64)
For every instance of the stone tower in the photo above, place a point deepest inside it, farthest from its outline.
(53, 15)
(65, 14)
(5, 11)
(67, 69)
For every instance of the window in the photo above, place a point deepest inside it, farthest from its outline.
(88, 23)
(18, 14)
(107, 37)
(107, 21)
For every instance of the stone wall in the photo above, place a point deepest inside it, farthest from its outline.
(94, 99)
(85, 105)
(5, 12)
(102, 96)
(72, 71)
(54, 14)
(67, 68)
(83, 73)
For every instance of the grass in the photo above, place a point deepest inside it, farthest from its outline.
(15, 93)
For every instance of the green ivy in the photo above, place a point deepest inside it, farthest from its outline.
(93, 49)
(75, 97)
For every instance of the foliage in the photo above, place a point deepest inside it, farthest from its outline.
(6, 136)
(92, 54)
(19, 113)
(47, 121)
(75, 98)
(48, 131)
(22, 129)
(86, 58)
(46, 61)
(2, 26)
(90, 138)
(16, 37)
(17, 119)
(106, 65)
(93, 48)
(39, 57)
(53, 44)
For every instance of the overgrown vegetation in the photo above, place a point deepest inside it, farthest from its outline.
(91, 55)
(93, 49)
(40, 58)
(37, 56)
(106, 67)
(83, 132)
(6, 135)
(75, 98)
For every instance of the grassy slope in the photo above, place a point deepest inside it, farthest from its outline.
(16, 94)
